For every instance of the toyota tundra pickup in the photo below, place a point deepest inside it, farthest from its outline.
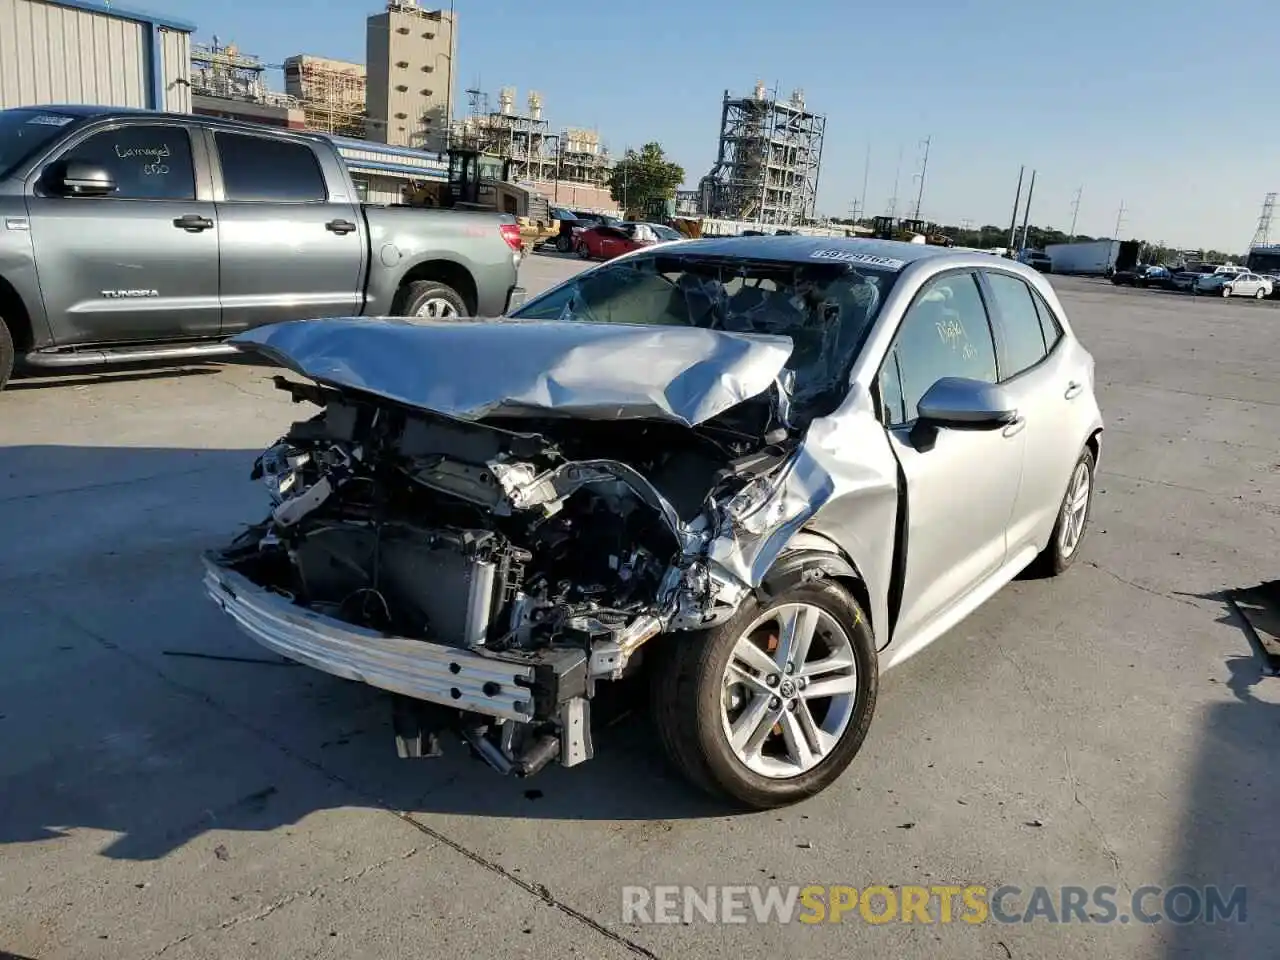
(134, 235)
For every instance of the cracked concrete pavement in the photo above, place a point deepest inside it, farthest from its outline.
(1112, 727)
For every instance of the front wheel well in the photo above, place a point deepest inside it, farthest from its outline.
(14, 313)
(447, 272)
(806, 564)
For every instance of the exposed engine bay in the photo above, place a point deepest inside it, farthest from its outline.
(518, 561)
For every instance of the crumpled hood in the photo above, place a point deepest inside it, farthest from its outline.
(473, 369)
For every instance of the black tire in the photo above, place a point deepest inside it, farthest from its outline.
(6, 354)
(564, 243)
(1052, 560)
(413, 296)
(584, 251)
(686, 695)
(1260, 294)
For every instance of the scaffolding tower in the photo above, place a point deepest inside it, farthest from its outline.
(768, 159)
(221, 70)
(330, 92)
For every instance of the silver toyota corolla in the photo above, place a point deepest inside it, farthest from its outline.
(760, 470)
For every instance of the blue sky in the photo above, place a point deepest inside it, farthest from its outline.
(1161, 104)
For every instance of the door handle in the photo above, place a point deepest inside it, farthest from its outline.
(1015, 428)
(193, 223)
(340, 227)
(1073, 390)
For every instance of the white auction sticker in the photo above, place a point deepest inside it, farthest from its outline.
(49, 120)
(850, 256)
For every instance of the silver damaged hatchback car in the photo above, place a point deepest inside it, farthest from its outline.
(757, 470)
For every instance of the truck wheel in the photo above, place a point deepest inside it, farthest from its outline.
(770, 707)
(431, 300)
(6, 354)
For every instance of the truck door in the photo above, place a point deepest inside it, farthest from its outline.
(126, 236)
(292, 244)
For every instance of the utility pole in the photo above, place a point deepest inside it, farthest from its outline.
(924, 168)
(897, 175)
(1017, 199)
(1119, 220)
(1026, 216)
(866, 169)
(1075, 212)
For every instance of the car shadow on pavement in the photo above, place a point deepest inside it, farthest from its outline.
(113, 718)
(1229, 836)
(45, 380)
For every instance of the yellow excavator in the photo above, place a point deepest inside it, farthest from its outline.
(479, 182)
(909, 231)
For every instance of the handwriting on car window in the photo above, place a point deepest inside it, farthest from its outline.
(952, 333)
(154, 157)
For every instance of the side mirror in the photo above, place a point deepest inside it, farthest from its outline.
(961, 403)
(75, 178)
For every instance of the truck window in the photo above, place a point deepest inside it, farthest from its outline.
(266, 170)
(147, 161)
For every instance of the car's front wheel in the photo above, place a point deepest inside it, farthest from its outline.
(1226, 292)
(1259, 294)
(770, 707)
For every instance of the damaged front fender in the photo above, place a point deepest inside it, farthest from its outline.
(851, 501)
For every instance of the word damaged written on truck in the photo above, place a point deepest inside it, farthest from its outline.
(133, 235)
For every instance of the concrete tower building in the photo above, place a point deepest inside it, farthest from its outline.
(410, 53)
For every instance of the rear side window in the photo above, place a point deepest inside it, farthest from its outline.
(1024, 345)
(1049, 325)
(266, 170)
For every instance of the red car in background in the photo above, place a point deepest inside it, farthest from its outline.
(607, 242)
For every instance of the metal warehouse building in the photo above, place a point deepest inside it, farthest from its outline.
(79, 51)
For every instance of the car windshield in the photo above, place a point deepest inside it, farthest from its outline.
(827, 309)
(665, 233)
(23, 132)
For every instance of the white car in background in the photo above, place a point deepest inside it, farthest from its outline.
(1247, 285)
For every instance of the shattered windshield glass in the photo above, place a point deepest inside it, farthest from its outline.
(827, 309)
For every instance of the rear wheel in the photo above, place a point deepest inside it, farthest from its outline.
(431, 300)
(1073, 518)
(6, 354)
(772, 706)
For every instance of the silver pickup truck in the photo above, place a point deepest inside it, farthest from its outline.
(133, 235)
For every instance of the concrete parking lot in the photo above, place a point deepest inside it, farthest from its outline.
(1114, 727)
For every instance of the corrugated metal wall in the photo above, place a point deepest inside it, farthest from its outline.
(175, 69)
(51, 54)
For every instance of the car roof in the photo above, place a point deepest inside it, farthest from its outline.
(896, 254)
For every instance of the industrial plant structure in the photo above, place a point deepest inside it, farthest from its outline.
(331, 93)
(410, 52)
(570, 167)
(228, 83)
(768, 160)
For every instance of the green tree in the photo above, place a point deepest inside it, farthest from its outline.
(640, 178)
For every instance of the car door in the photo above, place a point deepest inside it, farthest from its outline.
(960, 491)
(290, 251)
(1049, 386)
(139, 263)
